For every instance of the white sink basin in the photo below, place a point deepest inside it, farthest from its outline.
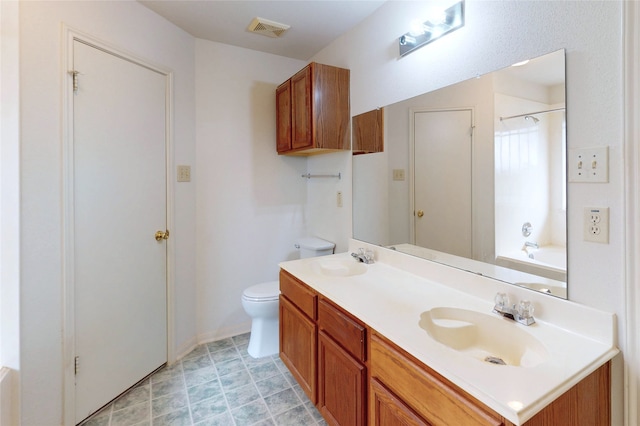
(486, 337)
(339, 267)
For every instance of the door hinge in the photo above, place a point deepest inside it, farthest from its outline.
(76, 366)
(74, 75)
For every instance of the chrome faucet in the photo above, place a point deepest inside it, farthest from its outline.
(364, 256)
(532, 245)
(522, 314)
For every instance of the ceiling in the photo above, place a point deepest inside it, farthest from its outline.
(313, 23)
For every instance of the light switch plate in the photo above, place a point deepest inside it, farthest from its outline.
(398, 174)
(589, 165)
(184, 173)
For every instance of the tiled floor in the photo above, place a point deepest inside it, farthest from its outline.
(218, 383)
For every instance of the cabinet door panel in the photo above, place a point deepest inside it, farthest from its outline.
(283, 117)
(298, 346)
(342, 328)
(387, 409)
(301, 112)
(341, 384)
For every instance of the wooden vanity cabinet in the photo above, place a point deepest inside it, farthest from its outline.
(355, 376)
(312, 111)
(418, 390)
(298, 332)
(404, 391)
(342, 373)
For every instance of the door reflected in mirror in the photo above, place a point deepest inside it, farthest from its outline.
(473, 175)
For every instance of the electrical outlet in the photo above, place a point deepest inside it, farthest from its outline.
(184, 173)
(596, 224)
(589, 165)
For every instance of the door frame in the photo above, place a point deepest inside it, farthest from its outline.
(69, 35)
(412, 150)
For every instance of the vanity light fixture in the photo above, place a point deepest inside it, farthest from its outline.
(438, 25)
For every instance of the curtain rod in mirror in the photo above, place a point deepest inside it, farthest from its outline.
(532, 113)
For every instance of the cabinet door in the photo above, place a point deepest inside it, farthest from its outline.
(342, 383)
(301, 113)
(387, 409)
(283, 117)
(298, 346)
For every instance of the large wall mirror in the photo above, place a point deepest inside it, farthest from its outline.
(474, 176)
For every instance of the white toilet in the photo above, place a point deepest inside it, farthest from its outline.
(260, 302)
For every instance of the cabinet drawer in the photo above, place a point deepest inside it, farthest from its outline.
(301, 295)
(438, 401)
(345, 330)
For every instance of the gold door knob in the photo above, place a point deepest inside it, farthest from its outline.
(420, 213)
(162, 235)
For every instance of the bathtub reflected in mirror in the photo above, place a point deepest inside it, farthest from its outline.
(479, 160)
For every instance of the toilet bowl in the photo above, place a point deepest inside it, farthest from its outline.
(261, 303)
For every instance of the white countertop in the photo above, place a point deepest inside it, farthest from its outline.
(393, 292)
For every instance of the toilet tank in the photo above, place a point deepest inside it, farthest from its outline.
(312, 247)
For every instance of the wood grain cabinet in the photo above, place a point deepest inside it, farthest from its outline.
(433, 400)
(405, 389)
(342, 374)
(312, 111)
(368, 132)
(298, 332)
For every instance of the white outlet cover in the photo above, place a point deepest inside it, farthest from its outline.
(589, 165)
(596, 224)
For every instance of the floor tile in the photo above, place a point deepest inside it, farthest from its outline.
(282, 401)
(169, 403)
(179, 417)
(216, 384)
(242, 395)
(294, 417)
(250, 414)
(131, 415)
(272, 385)
(204, 391)
(207, 408)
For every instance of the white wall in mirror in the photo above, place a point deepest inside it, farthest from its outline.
(495, 35)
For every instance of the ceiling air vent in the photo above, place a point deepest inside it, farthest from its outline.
(267, 28)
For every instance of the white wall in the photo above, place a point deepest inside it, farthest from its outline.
(497, 34)
(251, 203)
(134, 28)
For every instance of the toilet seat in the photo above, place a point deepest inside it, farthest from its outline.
(263, 292)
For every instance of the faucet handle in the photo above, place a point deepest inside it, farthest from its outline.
(525, 309)
(501, 299)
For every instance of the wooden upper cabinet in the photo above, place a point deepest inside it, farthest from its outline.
(368, 132)
(283, 116)
(318, 110)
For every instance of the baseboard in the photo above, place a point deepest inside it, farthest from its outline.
(184, 349)
(219, 334)
(224, 333)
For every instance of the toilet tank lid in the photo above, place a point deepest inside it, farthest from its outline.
(314, 243)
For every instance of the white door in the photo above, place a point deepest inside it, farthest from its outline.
(119, 193)
(442, 180)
